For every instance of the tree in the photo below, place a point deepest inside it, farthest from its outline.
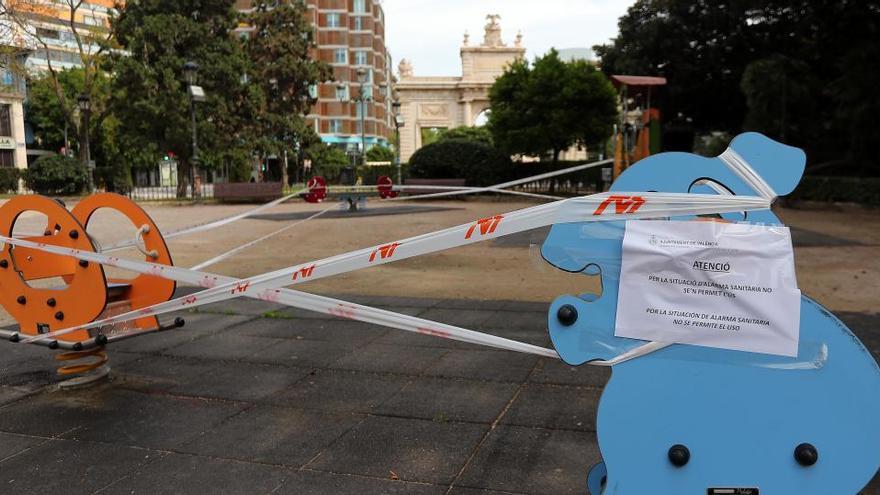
(282, 72)
(467, 133)
(327, 160)
(150, 97)
(92, 44)
(727, 64)
(56, 174)
(549, 106)
(380, 154)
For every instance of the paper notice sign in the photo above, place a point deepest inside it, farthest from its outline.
(724, 285)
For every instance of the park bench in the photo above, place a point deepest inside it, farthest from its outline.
(431, 182)
(248, 191)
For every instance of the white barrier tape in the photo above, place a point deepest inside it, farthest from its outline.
(297, 299)
(598, 207)
(738, 165)
(525, 180)
(210, 225)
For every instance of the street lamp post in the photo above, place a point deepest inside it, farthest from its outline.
(398, 123)
(196, 93)
(85, 106)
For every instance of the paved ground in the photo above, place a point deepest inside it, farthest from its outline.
(252, 398)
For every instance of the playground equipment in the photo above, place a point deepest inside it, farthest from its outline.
(674, 418)
(637, 135)
(352, 196)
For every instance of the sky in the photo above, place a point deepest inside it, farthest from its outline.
(428, 33)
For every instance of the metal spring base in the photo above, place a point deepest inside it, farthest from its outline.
(90, 371)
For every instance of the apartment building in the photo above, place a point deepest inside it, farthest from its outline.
(350, 35)
(40, 32)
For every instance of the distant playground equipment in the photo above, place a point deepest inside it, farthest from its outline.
(637, 134)
(673, 418)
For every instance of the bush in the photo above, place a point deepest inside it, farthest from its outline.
(113, 179)
(864, 190)
(371, 174)
(380, 153)
(57, 174)
(9, 179)
(478, 163)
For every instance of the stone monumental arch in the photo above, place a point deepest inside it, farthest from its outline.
(429, 104)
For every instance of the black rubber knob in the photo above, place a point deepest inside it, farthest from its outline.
(59, 315)
(179, 322)
(806, 455)
(83, 263)
(21, 300)
(4, 263)
(567, 314)
(679, 455)
(101, 339)
(50, 302)
(73, 234)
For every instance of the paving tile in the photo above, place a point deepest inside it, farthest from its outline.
(444, 399)
(470, 304)
(30, 373)
(241, 381)
(340, 390)
(301, 353)
(467, 318)
(414, 449)
(539, 461)
(390, 359)
(11, 444)
(557, 372)
(477, 364)
(320, 483)
(151, 421)
(336, 330)
(51, 414)
(517, 320)
(478, 491)
(64, 466)
(181, 473)
(554, 406)
(158, 372)
(242, 306)
(227, 347)
(12, 394)
(273, 435)
(412, 339)
(198, 326)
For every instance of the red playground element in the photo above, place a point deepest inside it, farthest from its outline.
(385, 185)
(317, 190)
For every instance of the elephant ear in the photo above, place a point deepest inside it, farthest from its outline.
(780, 165)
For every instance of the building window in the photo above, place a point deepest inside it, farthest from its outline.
(360, 6)
(91, 20)
(5, 120)
(342, 93)
(358, 24)
(51, 34)
(7, 159)
(336, 126)
(340, 56)
(360, 58)
(333, 20)
(313, 91)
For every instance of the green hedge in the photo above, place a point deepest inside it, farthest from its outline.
(113, 179)
(370, 174)
(9, 180)
(864, 190)
(57, 174)
(478, 163)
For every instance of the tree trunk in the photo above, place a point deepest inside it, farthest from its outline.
(182, 179)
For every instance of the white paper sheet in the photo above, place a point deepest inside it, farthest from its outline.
(714, 284)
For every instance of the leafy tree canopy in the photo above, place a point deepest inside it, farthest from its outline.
(550, 105)
(468, 133)
(380, 154)
(797, 70)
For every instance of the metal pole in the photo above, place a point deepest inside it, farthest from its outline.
(193, 168)
(397, 151)
(363, 133)
(87, 152)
